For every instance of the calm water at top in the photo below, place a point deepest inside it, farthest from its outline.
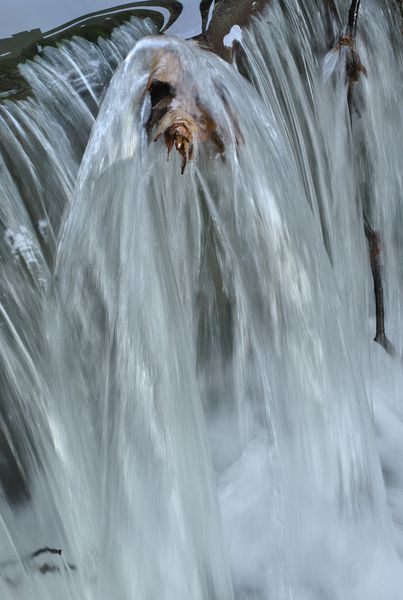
(20, 15)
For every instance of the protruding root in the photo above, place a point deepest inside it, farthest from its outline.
(176, 111)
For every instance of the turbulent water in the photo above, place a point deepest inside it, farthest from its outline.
(191, 391)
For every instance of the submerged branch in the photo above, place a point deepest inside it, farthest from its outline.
(26, 564)
(347, 40)
(354, 68)
(46, 550)
(353, 17)
(374, 246)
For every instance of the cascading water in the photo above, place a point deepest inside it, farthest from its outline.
(191, 397)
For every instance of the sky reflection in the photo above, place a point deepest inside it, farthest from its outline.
(20, 15)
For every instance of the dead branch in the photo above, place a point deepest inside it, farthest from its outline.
(354, 68)
(26, 562)
(45, 550)
(374, 246)
(353, 17)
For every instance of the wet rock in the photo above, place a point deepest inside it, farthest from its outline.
(14, 481)
(227, 14)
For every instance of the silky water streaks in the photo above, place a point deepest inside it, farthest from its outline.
(196, 397)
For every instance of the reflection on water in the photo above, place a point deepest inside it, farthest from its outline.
(180, 18)
(206, 21)
(24, 45)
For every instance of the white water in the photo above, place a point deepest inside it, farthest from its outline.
(189, 358)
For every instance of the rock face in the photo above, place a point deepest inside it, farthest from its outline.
(227, 13)
(14, 481)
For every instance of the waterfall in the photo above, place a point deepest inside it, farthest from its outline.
(193, 404)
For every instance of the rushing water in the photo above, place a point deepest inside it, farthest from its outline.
(193, 406)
